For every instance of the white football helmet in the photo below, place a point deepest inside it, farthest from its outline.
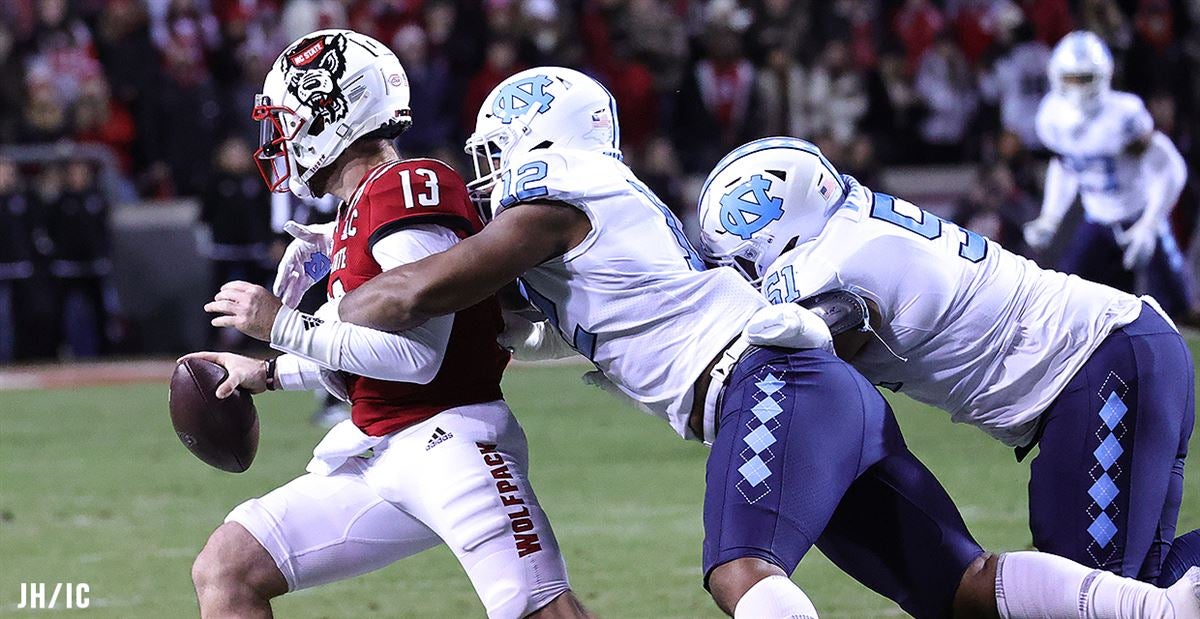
(1081, 69)
(537, 108)
(764, 198)
(325, 91)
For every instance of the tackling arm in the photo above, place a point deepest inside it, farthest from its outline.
(519, 238)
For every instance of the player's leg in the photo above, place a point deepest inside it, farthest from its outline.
(1166, 276)
(235, 576)
(898, 532)
(1094, 254)
(1106, 486)
(1184, 555)
(464, 474)
(795, 430)
(314, 530)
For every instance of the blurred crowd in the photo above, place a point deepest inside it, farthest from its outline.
(167, 86)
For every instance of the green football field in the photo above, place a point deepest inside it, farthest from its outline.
(95, 488)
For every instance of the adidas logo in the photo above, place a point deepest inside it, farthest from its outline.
(439, 436)
(310, 322)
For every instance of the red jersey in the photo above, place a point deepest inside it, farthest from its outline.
(390, 197)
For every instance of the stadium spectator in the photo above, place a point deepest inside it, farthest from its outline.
(1017, 81)
(500, 62)
(632, 85)
(837, 94)
(45, 116)
(100, 120)
(714, 110)
(237, 209)
(18, 230)
(78, 230)
(1104, 18)
(434, 106)
(1051, 19)
(946, 86)
(783, 97)
(917, 24)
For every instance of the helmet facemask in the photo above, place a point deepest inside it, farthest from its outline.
(489, 152)
(278, 125)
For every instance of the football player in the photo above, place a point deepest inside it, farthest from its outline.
(1128, 175)
(1099, 380)
(804, 449)
(431, 454)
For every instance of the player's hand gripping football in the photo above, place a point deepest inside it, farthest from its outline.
(304, 262)
(246, 307)
(249, 374)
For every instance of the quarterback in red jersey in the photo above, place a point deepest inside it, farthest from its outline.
(426, 400)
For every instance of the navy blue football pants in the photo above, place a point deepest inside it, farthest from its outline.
(1107, 483)
(1094, 254)
(808, 452)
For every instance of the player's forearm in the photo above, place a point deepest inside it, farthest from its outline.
(1165, 174)
(413, 356)
(393, 301)
(1060, 190)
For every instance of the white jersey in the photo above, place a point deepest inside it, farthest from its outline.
(633, 297)
(984, 334)
(1096, 150)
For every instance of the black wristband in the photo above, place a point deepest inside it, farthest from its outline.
(271, 374)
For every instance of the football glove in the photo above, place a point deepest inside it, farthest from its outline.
(1039, 233)
(1140, 241)
(790, 326)
(305, 261)
(532, 341)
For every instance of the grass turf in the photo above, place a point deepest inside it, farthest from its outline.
(95, 488)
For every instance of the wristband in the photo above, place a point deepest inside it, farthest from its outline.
(271, 374)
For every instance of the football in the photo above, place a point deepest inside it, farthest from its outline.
(222, 433)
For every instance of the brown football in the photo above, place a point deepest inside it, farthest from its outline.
(222, 433)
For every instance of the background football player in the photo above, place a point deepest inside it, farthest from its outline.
(804, 450)
(1128, 175)
(1097, 378)
(431, 454)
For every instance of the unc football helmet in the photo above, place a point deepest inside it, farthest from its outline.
(536, 108)
(764, 198)
(1081, 69)
(325, 91)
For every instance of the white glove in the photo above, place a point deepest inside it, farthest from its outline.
(305, 261)
(532, 341)
(1039, 233)
(1140, 241)
(789, 326)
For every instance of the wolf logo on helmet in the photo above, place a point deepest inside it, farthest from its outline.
(316, 65)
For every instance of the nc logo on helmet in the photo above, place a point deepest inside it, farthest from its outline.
(517, 98)
(748, 209)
